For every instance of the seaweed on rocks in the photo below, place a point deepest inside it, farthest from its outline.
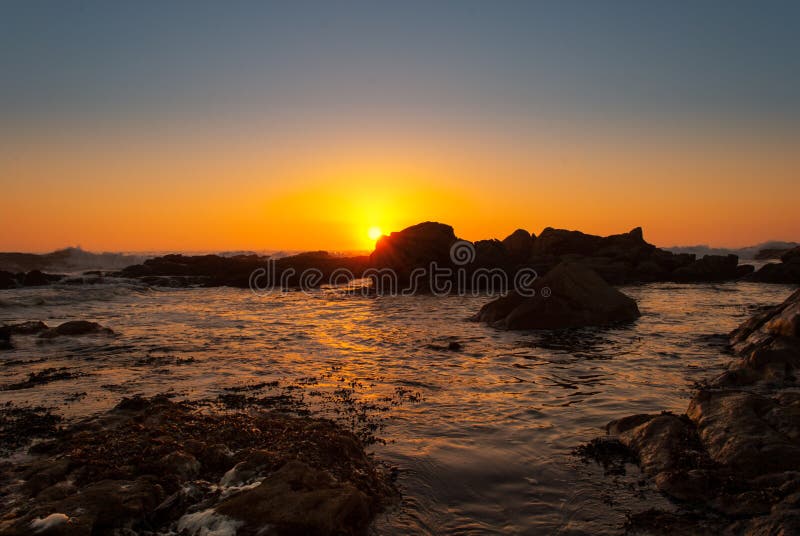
(153, 464)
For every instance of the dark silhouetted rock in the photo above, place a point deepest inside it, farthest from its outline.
(35, 278)
(575, 296)
(7, 280)
(792, 255)
(76, 327)
(786, 272)
(490, 253)
(414, 247)
(709, 268)
(770, 253)
(309, 270)
(519, 245)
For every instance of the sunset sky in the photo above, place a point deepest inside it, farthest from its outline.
(152, 126)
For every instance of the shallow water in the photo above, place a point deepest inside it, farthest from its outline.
(485, 448)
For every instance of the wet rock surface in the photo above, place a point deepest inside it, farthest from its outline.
(570, 295)
(158, 466)
(732, 462)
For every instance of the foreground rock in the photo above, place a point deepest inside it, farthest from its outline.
(733, 460)
(152, 465)
(769, 344)
(569, 296)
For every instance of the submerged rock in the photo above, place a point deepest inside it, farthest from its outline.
(25, 328)
(570, 295)
(76, 327)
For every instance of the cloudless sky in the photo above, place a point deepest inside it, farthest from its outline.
(299, 125)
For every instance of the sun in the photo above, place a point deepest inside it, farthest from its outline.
(374, 233)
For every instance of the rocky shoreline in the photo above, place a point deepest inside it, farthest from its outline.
(619, 259)
(155, 465)
(732, 461)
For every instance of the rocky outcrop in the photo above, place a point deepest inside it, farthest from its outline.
(628, 258)
(157, 466)
(735, 454)
(570, 295)
(787, 271)
(397, 259)
(310, 269)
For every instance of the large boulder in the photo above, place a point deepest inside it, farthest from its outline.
(415, 247)
(570, 295)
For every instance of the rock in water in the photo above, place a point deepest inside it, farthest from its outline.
(570, 295)
(414, 247)
(787, 271)
(76, 327)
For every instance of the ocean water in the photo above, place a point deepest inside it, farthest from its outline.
(482, 437)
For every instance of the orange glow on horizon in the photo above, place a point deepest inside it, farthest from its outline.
(194, 197)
